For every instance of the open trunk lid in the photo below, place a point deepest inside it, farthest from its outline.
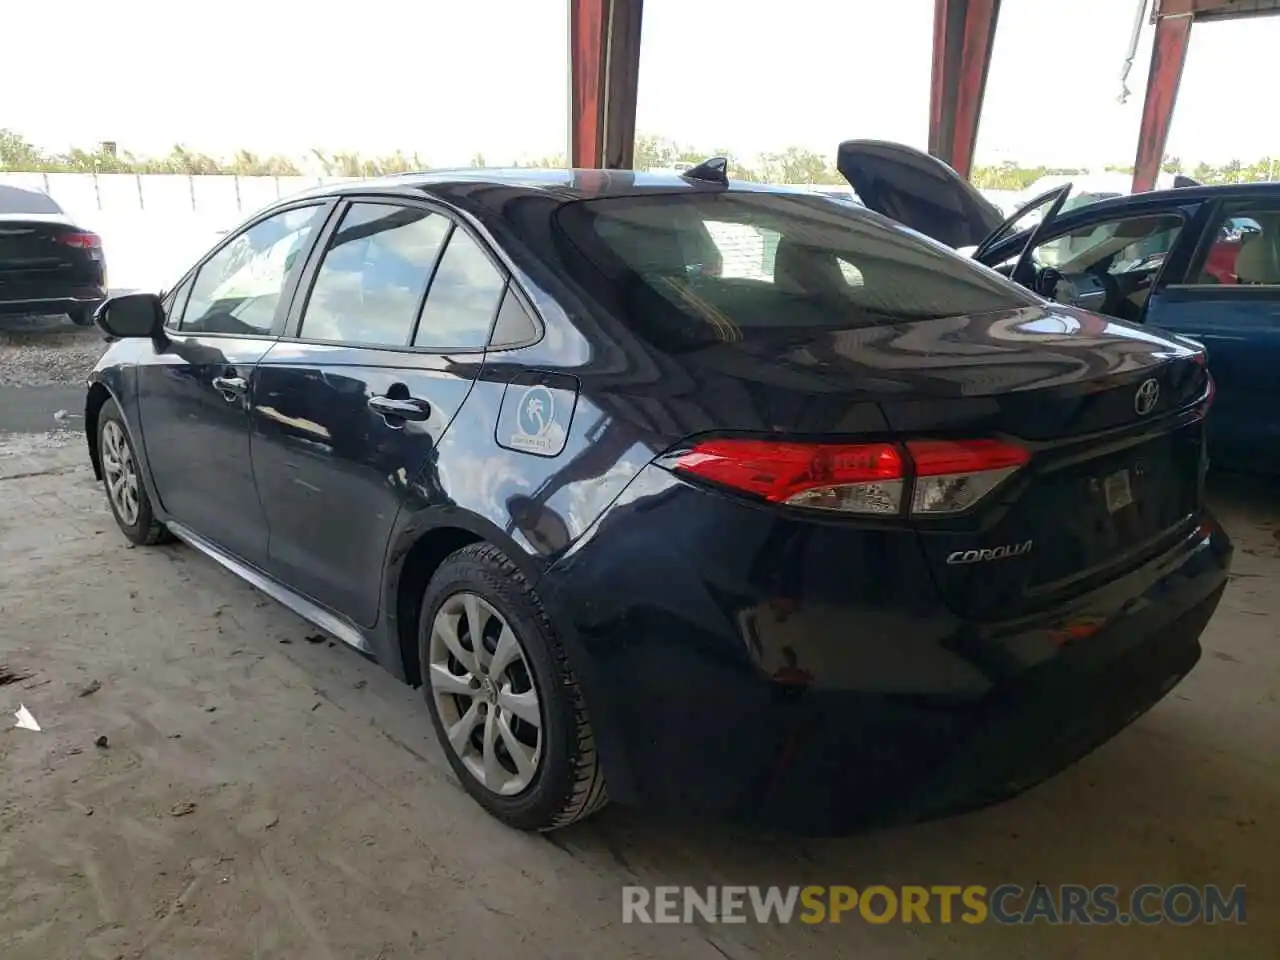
(917, 190)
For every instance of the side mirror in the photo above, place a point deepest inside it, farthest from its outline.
(131, 315)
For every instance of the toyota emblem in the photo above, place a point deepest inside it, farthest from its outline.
(1148, 395)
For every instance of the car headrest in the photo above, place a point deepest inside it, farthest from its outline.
(804, 270)
(1257, 261)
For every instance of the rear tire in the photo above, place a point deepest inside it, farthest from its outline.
(122, 481)
(530, 776)
(81, 316)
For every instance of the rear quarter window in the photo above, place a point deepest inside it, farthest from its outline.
(705, 267)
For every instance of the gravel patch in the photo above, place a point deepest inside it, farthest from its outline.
(47, 350)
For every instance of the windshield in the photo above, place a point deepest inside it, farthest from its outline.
(1081, 199)
(707, 267)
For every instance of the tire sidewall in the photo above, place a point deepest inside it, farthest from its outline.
(135, 532)
(537, 804)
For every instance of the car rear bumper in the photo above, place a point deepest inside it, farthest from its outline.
(775, 679)
(52, 301)
(925, 760)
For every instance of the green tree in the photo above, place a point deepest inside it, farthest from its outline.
(16, 153)
(247, 164)
(798, 165)
(792, 165)
(652, 152)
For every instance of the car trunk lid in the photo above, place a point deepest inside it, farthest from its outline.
(1113, 417)
(36, 250)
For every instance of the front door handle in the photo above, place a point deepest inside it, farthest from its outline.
(231, 388)
(400, 409)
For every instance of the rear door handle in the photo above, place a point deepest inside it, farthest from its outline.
(407, 409)
(231, 388)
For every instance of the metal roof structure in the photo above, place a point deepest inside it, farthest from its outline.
(604, 55)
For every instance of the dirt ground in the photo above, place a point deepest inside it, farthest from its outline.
(262, 795)
(36, 351)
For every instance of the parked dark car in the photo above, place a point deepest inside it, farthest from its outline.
(48, 265)
(744, 502)
(1199, 261)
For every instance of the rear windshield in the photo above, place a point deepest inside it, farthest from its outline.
(17, 200)
(718, 266)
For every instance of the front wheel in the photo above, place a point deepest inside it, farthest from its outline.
(126, 494)
(504, 704)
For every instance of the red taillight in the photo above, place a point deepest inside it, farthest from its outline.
(82, 239)
(821, 476)
(934, 458)
(865, 478)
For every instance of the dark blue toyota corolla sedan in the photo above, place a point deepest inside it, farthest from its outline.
(712, 497)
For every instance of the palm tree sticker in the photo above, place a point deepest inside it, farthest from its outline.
(537, 412)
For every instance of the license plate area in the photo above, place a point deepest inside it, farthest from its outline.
(1101, 510)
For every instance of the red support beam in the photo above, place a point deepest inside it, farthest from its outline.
(1168, 54)
(1218, 9)
(963, 35)
(604, 69)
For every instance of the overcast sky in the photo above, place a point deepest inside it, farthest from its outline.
(450, 79)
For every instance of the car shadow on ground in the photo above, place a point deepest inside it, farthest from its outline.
(1080, 826)
(36, 324)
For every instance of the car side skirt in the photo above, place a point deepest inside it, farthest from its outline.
(327, 621)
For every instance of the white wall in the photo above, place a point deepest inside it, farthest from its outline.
(155, 226)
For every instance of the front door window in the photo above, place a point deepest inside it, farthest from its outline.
(238, 289)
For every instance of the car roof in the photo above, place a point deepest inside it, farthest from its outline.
(1157, 199)
(567, 185)
(1177, 195)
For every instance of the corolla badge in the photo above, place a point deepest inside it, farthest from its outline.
(1148, 395)
(1004, 552)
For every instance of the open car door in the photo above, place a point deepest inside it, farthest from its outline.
(1034, 217)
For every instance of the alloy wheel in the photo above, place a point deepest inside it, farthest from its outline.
(484, 694)
(121, 472)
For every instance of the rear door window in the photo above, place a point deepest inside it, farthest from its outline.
(464, 297)
(375, 271)
(717, 266)
(1245, 250)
